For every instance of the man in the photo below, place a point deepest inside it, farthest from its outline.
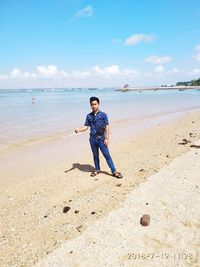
(99, 136)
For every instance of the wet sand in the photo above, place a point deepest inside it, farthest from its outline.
(38, 181)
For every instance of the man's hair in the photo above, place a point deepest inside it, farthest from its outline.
(93, 98)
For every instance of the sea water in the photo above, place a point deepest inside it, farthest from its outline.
(57, 112)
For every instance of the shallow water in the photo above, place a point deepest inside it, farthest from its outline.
(58, 111)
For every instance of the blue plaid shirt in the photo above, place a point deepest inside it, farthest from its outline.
(97, 123)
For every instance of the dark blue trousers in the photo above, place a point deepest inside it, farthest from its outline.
(96, 144)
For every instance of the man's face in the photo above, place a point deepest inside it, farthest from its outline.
(94, 105)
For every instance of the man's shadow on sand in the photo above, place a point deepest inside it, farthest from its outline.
(85, 168)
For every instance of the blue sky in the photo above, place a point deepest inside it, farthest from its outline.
(69, 43)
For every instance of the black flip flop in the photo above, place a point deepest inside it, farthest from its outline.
(117, 175)
(94, 174)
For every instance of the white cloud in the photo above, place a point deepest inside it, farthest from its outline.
(80, 74)
(174, 70)
(195, 71)
(158, 60)
(138, 38)
(16, 73)
(95, 76)
(64, 74)
(34, 75)
(27, 74)
(197, 57)
(3, 77)
(84, 12)
(114, 70)
(50, 71)
(47, 72)
(107, 71)
(98, 70)
(130, 72)
(159, 69)
(198, 48)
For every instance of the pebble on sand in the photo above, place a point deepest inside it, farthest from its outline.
(66, 209)
(145, 220)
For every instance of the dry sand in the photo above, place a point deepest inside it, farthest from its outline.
(35, 187)
(171, 198)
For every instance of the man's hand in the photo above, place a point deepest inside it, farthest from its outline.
(106, 141)
(81, 129)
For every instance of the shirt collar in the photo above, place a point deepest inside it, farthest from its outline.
(96, 113)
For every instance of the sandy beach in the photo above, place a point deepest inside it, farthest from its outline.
(171, 198)
(77, 76)
(102, 226)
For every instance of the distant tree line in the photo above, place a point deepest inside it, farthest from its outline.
(190, 83)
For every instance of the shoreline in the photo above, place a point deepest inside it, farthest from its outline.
(158, 88)
(33, 222)
(42, 139)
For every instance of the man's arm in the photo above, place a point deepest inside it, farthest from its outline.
(81, 129)
(106, 141)
(85, 127)
(107, 132)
